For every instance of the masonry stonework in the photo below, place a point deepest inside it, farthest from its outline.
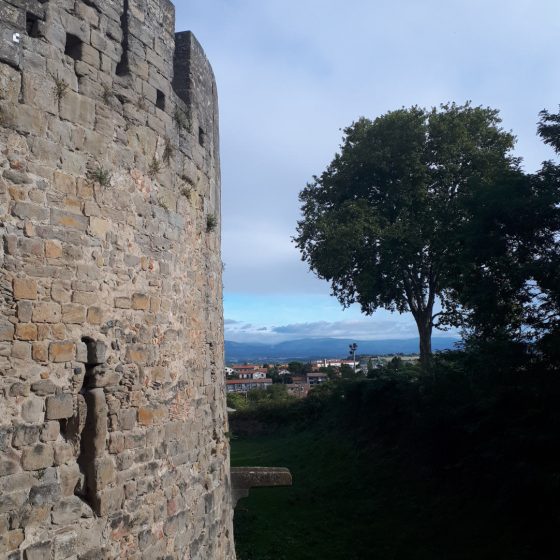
(113, 427)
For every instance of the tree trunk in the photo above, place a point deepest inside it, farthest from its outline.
(425, 333)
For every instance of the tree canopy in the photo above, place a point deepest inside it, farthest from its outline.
(425, 211)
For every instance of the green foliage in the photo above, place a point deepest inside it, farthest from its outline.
(181, 120)
(100, 175)
(466, 450)
(168, 151)
(60, 88)
(377, 223)
(237, 401)
(154, 168)
(211, 223)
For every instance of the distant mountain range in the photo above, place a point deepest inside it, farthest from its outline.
(316, 348)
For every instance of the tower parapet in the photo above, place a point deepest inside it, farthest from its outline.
(112, 411)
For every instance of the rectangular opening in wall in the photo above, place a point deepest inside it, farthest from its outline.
(201, 136)
(73, 47)
(123, 67)
(160, 100)
(32, 25)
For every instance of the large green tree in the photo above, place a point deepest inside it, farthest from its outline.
(380, 223)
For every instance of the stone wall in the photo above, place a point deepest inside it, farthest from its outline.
(113, 430)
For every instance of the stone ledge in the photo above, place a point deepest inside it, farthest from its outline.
(245, 478)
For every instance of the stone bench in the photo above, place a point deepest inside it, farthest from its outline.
(245, 478)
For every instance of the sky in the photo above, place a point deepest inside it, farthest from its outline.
(291, 74)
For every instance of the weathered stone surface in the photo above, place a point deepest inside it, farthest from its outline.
(62, 351)
(60, 406)
(112, 441)
(25, 288)
(39, 456)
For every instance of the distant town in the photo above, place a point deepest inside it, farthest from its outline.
(299, 377)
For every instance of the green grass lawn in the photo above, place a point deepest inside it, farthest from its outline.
(348, 504)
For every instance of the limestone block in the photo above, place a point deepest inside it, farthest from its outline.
(24, 311)
(61, 351)
(38, 551)
(40, 351)
(73, 313)
(67, 510)
(78, 109)
(26, 331)
(45, 312)
(37, 457)
(95, 315)
(21, 350)
(25, 435)
(25, 288)
(68, 220)
(43, 387)
(60, 406)
(7, 330)
(69, 476)
(32, 410)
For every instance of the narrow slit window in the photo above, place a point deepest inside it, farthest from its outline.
(123, 67)
(73, 47)
(32, 25)
(160, 100)
(201, 136)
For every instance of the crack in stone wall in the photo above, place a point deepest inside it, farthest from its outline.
(112, 410)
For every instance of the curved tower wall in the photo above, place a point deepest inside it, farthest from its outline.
(113, 429)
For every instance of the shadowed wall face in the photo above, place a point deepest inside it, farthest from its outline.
(112, 408)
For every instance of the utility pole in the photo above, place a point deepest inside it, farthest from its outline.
(353, 348)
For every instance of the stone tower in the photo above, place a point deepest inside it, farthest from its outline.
(113, 428)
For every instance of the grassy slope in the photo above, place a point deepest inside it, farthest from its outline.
(349, 505)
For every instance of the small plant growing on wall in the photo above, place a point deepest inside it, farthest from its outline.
(100, 175)
(154, 168)
(60, 88)
(168, 151)
(211, 223)
(187, 192)
(182, 122)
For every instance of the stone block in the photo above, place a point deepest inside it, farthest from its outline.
(21, 350)
(122, 303)
(60, 406)
(44, 387)
(40, 351)
(26, 435)
(32, 410)
(38, 551)
(67, 510)
(24, 311)
(25, 288)
(68, 220)
(63, 453)
(53, 249)
(38, 457)
(7, 330)
(73, 313)
(140, 301)
(95, 315)
(70, 478)
(8, 467)
(50, 431)
(26, 331)
(61, 291)
(44, 494)
(127, 419)
(45, 312)
(78, 109)
(61, 351)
